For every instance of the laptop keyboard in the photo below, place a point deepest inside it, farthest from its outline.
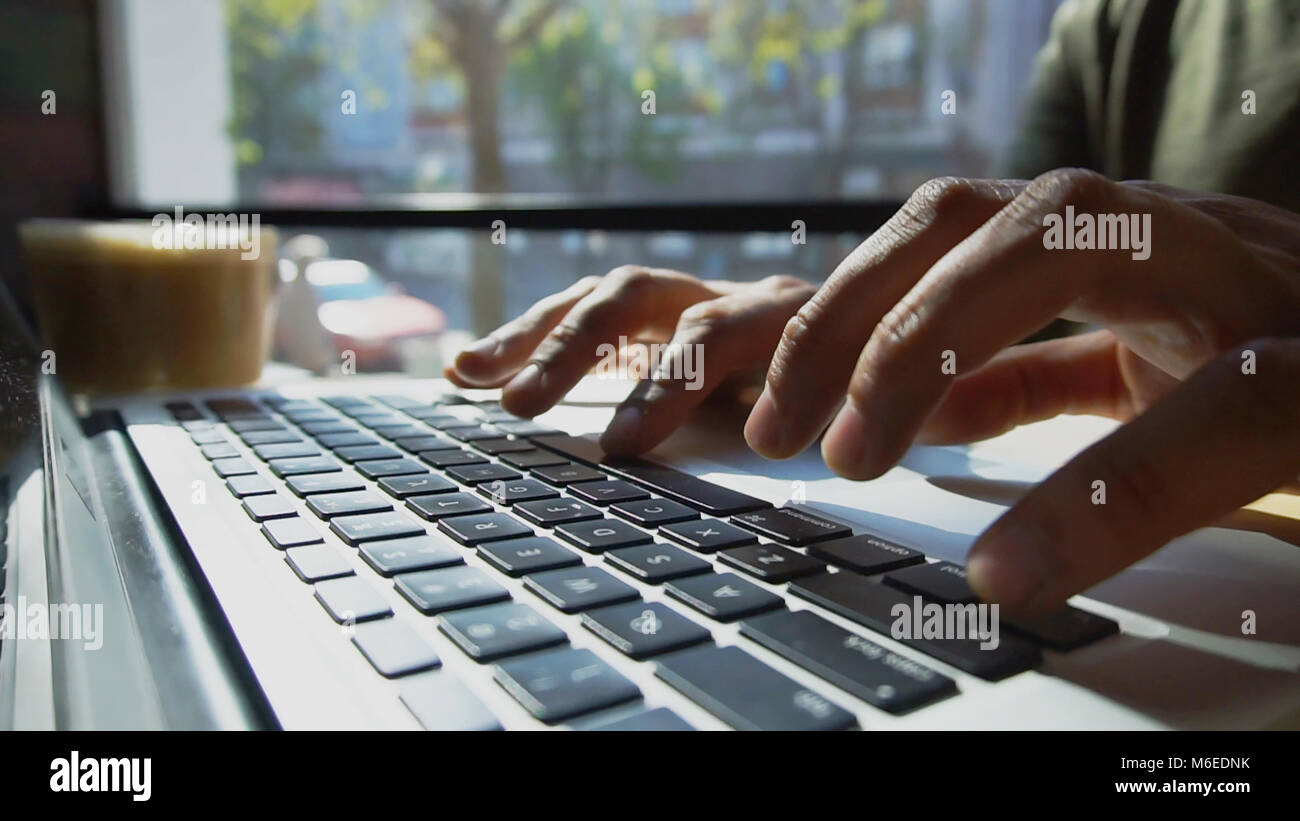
(417, 487)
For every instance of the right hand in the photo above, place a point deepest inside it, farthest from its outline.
(541, 355)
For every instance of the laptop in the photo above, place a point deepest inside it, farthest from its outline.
(370, 553)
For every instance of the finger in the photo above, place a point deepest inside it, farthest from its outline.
(627, 301)
(493, 360)
(1222, 439)
(812, 364)
(1028, 383)
(735, 331)
(999, 285)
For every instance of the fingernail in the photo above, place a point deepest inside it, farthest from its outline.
(1008, 565)
(529, 379)
(847, 445)
(483, 347)
(623, 429)
(763, 429)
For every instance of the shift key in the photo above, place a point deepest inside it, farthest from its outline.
(873, 673)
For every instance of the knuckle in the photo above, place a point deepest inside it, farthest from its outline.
(1273, 386)
(783, 282)
(705, 318)
(1060, 187)
(563, 337)
(630, 280)
(938, 196)
(588, 282)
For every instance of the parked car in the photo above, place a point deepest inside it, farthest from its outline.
(336, 312)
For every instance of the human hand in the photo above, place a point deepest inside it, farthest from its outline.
(1199, 356)
(542, 354)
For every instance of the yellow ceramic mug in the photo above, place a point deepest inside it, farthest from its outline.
(179, 302)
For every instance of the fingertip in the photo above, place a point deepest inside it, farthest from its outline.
(763, 428)
(1010, 565)
(622, 437)
(847, 445)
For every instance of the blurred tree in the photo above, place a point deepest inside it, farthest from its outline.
(274, 65)
(477, 38)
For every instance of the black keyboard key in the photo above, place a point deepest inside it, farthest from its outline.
(450, 458)
(747, 694)
(392, 556)
(1064, 630)
(286, 533)
(389, 467)
(567, 474)
(255, 424)
(771, 563)
(607, 492)
(575, 589)
(791, 525)
(249, 485)
(873, 673)
(210, 436)
(357, 453)
(441, 703)
(371, 526)
(524, 427)
(322, 427)
(379, 419)
(449, 588)
(351, 600)
(269, 506)
(941, 581)
(317, 562)
(220, 450)
(394, 649)
(351, 439)
(471, 433)
(533, 458)
(184, 411)
(285, 451)
(496, 447)
(226, 468)
(309, 483)
(415, 444)
(564, 683)
(437, 418)
(552, 512)
(873, 606)
(654, 512)
(329, 505)
(658, 720)
(519, 557)
(682, 487)
(490, 633)
(723, 596)
(403, 431)
(483, 527)
(310, 464)
(415, 484)
(516, 490)
(599, 535)
(707, 535)
(644, 629)
(438, 505)
(866, 554)
(477, 474)
(657, 563)
(269, 437)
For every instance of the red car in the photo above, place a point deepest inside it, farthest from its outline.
(340, 313)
